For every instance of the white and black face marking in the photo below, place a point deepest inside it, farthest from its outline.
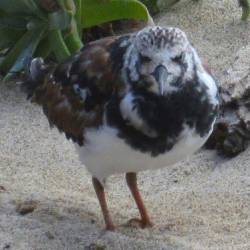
(159, 60)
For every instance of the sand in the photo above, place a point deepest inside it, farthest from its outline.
(200, 203)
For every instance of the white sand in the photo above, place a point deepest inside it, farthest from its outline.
(200, 203)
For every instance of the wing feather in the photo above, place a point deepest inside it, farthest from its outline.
(73, 94)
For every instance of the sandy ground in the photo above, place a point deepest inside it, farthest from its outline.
(200, 203)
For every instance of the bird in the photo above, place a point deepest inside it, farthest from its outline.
(129, 103)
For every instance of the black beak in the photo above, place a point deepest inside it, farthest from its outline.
(160, 74)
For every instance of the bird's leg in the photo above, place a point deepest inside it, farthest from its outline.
(132, 184)
(99, 189)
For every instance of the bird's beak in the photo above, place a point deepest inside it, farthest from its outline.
(160, 74)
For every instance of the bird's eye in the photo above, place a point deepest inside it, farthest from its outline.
(145, 59)
(178, 58)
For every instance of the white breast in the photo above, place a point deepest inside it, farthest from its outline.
(106, 154)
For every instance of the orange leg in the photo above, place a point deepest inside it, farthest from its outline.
(132, 184)
(99, 189)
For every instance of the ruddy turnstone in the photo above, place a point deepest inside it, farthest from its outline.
(129, 103)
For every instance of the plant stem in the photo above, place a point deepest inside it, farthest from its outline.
(12, 55)
(70, 5)
(58, 45)
(72, 39)
(44, 48)
(78, 16)
(67, 5)
(73, 35)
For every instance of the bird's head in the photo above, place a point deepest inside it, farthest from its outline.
(159, 60)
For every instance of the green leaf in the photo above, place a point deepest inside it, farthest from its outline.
(64, 20)
(2, 13)
(245, 4)
(24, 48)
(22, 7)
(68, 5)
(95, 12)
(17, 22)
(9, 37)
(58, 46)
(78, 16)
(72, 38)
(43, 49)
(60, 20)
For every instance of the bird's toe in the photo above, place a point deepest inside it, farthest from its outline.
(139, 223)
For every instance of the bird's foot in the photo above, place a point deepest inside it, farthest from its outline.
(139, 223)
(110, 227)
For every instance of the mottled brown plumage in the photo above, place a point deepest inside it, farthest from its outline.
(65, 108)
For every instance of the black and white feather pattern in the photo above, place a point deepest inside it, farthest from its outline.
(130, 103)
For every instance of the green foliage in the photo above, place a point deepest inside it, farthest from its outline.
(245, 4)
(98, 11)
(53, 27)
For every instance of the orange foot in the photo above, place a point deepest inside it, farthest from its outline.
(139, 223)
(110, 227)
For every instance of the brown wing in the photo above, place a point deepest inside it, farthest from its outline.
(74, 93)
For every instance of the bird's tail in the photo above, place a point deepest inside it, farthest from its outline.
(35, 73)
